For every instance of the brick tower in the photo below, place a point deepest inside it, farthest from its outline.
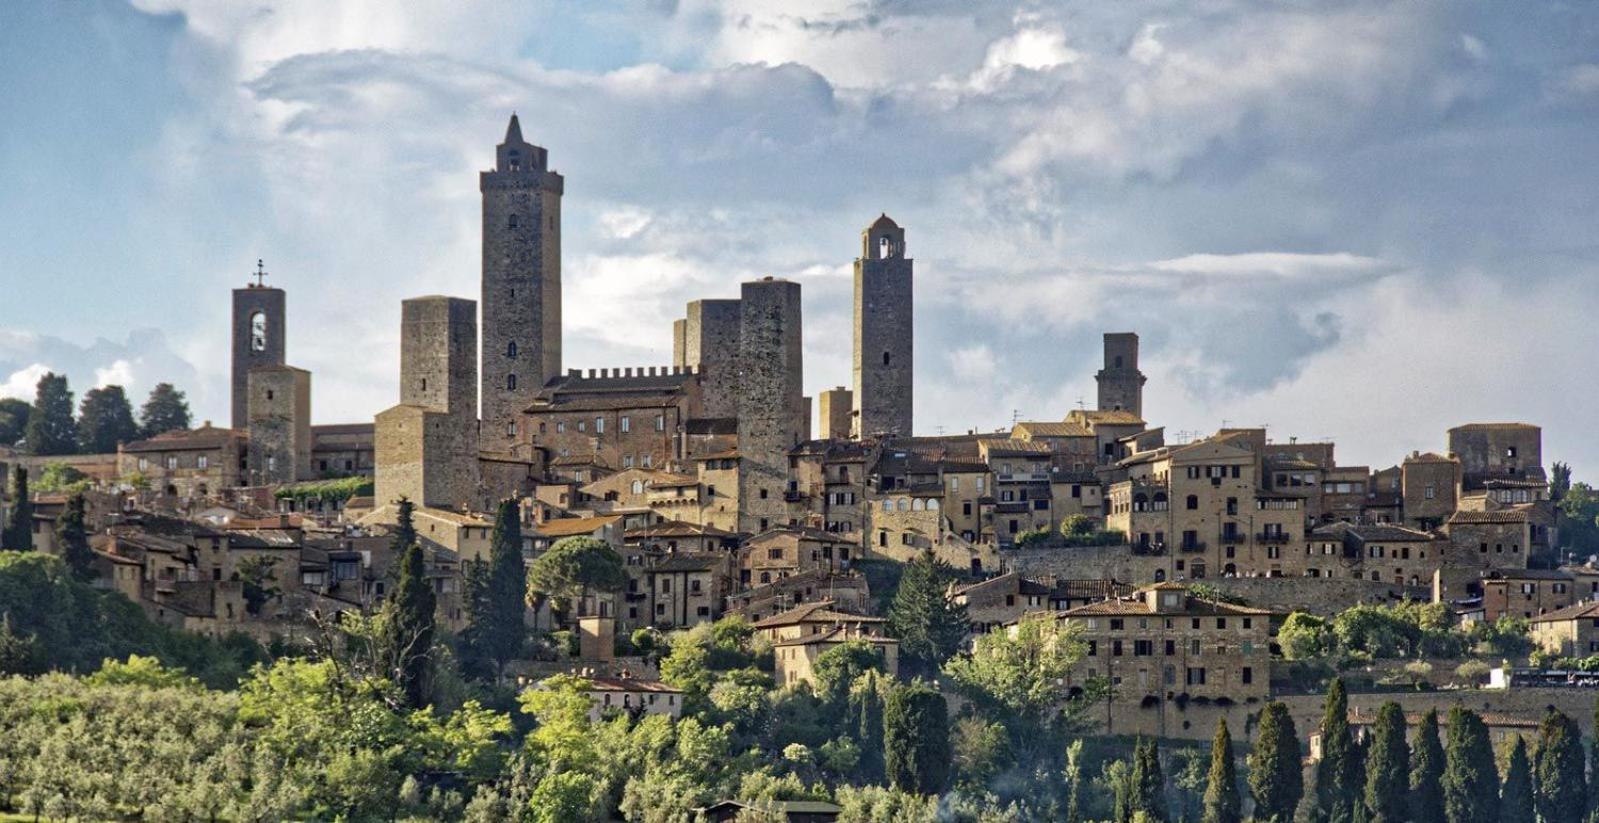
(259, 318)
(883, 330)
(521, 299)
(1121, 384)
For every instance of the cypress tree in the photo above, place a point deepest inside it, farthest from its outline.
(916, 750)
(1149, 784)
(1387, 767)
(409, 611)
(1221, 789)
(865, 721)
(930, 626)
(104, 420)
(1515, 796)
(1427, 772)
(18, 532)
(50, 427)
(1338, 776)
(73, 533)
(1471, 781)
(1561, 786)
(497, 626)
(1275, 779)
(166, 410)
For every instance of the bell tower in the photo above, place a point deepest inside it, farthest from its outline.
(259, 322)
(521, 296)
(884, 303)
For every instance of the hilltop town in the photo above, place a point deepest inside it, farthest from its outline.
(1205, 577)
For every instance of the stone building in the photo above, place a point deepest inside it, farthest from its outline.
(343, 450)
(771, 411)
(1497, 451)
(1526, 593)
(1429, 487)
(521, 283)
(427, 446)
(1572, 631)
(187, 463)
(795, 659)
(259, 325)
(1163, 646)
(619, 418)
(1121, 384)
(706, 341)
(884, 326)
(280, 439)
(837, 406)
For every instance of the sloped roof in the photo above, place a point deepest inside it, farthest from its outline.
(573, 526)
(820, 611)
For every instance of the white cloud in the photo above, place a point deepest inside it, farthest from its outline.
(119, 373)
(24, 382)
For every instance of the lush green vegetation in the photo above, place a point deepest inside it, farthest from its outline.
(331, 490)
(1407, 629)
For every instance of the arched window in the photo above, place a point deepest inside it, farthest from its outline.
(1160, 501)
(510, 382)
(904, 505)
(884, 247)
(932, 505)
(1160, 575)
(638, 486)
(917, 505)
(888, 505)
(258, 331)
(510, 349)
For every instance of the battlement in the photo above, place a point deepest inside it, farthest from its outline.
(622, 372)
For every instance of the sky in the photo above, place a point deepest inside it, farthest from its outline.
(1360, 221)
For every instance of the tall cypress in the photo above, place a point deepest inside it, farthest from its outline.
(1387, 767)
(930, 626)
(497, 624)
(1515, 796)
(18, 532)
(1561, 786)
(410, 612)
(50, 426)
(1275, 778)
(105, 419)
(916, 748)
(73, 533)
(165, 411)
(1149, 783)
(1427, 773)
(1338, 775)
(865, 722)
(1221, 789)
(1471, 781)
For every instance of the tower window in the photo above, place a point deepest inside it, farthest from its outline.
(511, 223)
(258, 331)
(885, 358)
(1118, 361)
(510, 349)
(510, 382)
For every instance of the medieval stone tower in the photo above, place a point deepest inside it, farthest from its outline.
(1121, 384)
(706, 339)
(771, 406)
(259, 319)
(427, 447)
(521, 283)
(280, 425)
(883, 327)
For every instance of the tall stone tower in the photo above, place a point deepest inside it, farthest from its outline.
(883, 329)
(521, 283)
(707, 341)
(280, 425)
(771, 406)
(427, 447)
(1121, 384)
(259, 322)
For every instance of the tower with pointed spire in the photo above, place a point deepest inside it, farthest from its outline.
(521, 297)
(884, 303)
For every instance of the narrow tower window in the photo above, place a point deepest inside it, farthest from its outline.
(510, 349)
(258, 331)
(884, 247)
(885, 358)
(511, 223)
(510, 382)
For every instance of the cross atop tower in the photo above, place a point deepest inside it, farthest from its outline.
(260, 273)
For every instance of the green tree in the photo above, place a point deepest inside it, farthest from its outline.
(409, 613)
(165, 410)
(864, 718)
(1149, 782)
(1338, 773)
(1559, 480)
(1470, 781)
(1388, 767)
(1304, 637)
(1427, 772)
(50, 426)
(837, 668)
(571, 569)
(13, 420)
(18, 532)
(1562, 789)
(1515, 796)
(1017, 675)
(1221, 789)
(73, 533)
(916, 739)
(929, 624)
(260, 582)
(496, 623)
(1074, 781)
(105, 419)
(1275, 779)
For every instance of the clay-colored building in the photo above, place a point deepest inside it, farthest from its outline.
(194, 463)
(1572, 631)
(796, 659)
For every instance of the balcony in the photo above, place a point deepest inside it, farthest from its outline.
(1233, 538)
(1192, 546)
(1022, 477)
(794, 496)
(1270, 538)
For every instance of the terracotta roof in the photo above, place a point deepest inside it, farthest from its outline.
(1113, 417)
(1013, 446)
(1502, 516)
(687, 563)
(820, 611)
(1387, 533)
(837, 634)
(1033, 428)
(573, 526)
(676, 528)
(1580, 611)
(205, 437)
(629, 684)
(457, 518)
(1429, 457)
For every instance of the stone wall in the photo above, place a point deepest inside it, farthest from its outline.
(770, 405)
(711, 346)
(836, 405)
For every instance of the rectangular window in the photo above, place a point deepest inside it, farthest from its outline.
(627, 424)
(202, 462)
(599, 425)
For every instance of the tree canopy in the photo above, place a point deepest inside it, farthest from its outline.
(105, 419)
(165, 410)
(929, 624)
(51, 429)
(574, 567)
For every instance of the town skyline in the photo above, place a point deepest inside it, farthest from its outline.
(1322, 306)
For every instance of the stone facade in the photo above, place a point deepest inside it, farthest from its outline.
(187, 464)
(709, 345)
(837, 405)
(617, 418)
(280, 426)
(1121, 384)
(259, 324)
(427, 447)
(1429, 487)
(1526, 593)
(771, 409)
(1572, 631)
(884, 331)
(1502, 451)
(521, 282)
